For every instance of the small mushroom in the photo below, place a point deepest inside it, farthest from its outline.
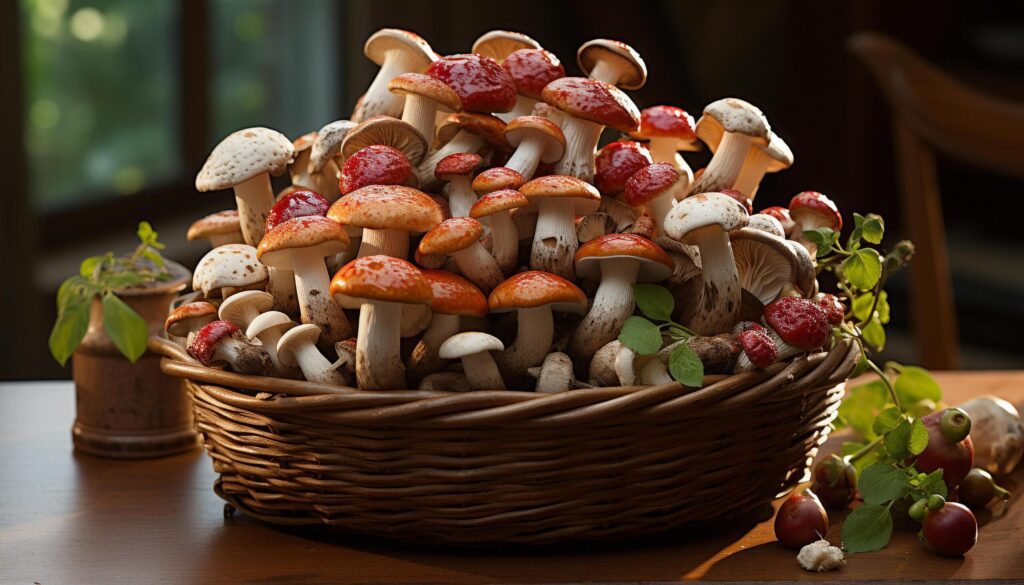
(218, 228)
(656, 188)
(185, 320)
(424, 98)
(590, 107)
(997, 432)
(706, 220)
(387, 214)
(244, 161)
(383, 284)
(459, 237)
(774, 157)
(559, 200)
(457, 170)
(668, 130)
(554, 374)
(297, 347)
(298, 203)
(497, 207)
(268, 328)
(465, 132)
(536, 140)
(454, 298)
(243, 307)
(496, 179)
(223, 342)
(325, 154)
(499, 44)
(616, 162)
(612, 62)
(478, 80)
(620, 261)
(769, 267)
(346, 364)
(534, 295)
(473, 348)
(811, 210)
(759, 350)
(731, 128)
(226, 270)
(796, 326)
(396, 51)
(613, 365)
(594, 225)
(766, 223)
(782, 215)
(300, 244)
(531, 70)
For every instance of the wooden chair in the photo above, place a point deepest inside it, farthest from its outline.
(932, 111)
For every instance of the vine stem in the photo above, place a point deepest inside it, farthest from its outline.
(864, 450)
(888, 384)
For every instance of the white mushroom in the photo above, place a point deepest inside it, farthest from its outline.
(218, 228)
(228, 269)
(997, 432)
(474, 348)
(554, 374)
(731, 127)
(268, 328)
(243, 307)
(297, 347)
(559, 200)
(397, 52)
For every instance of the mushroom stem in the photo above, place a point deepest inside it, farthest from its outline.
(718, 305)
(424, 360)
(535, 332)
(554, 238)
(613, 304)
(527, 156)
(726, 164)
(315, 367)
(482, 372)
(660, 206)
(609, 71)
(581, 139)
(477, 264)
(504, 241)
(462, 142)
(653, 373)
(461, 195)
(244, 357)
(378, 363)
(783, 350)
(254, 198)
(378, 100)
(269, 338)
(217, 240)
(315, 305)
(394, 243)
(753, 170)
(421, 113)
(282, 288)
(524, 107)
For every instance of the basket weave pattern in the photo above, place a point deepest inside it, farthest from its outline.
(511, 467)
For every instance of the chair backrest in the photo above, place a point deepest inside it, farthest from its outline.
(932, 111)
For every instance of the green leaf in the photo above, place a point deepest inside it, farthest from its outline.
(88, 266)
(74, 286)
(685, 366)
(873, 228)
(866, 529)
(861, 405)
(881, 483)
(125, 327)
(822, 237)
(897, 441)
(72, 322)
(860, 368)
(122, 280)
(863, 303)
(918, 440)
(863, 268)
(850, 447)
(153, 257)
(654, 301)
(934, 484)
(640, 335)
(874, 334)
(887, 420)
(914, 384)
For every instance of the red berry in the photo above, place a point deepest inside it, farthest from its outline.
(759, 347)
(955, 459)
(835, 482)
(799, 322)
(801, 520)
(951, 530)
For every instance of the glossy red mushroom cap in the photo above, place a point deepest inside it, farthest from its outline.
(666, 122)
(650, 182)
(656, 264)
(616, 163)
(799, 322)
(296, 204)
(759, 347)
(204, 343)
(532, 69)
(594, 101)
(812, 203)
(374, 165)
(460, 163)
(481, 84)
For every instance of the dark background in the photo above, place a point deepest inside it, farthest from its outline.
(789, 58)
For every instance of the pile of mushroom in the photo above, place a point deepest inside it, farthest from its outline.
(464, 231)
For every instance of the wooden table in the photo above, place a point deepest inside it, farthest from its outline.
(70, 518)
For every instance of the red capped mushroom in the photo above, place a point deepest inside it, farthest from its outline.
(812, 210)
(668, 130)
(223, 342)
(536, 140)
(781, 214)
(459, 237)
(531, 70)
(479, 81)
(465, 132)
(375, 165)
(454, 297)
(616, 162)
(497, 207)
(797, 325)
(559, 200)
(656, 187)
(457, 171)
(759, 350)
(387, 214)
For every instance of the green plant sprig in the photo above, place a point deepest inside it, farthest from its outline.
(646, 336)
(103, 276)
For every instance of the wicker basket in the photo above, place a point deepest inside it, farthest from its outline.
(490, 467)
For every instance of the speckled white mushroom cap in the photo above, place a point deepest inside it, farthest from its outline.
(767, 223)
(735, 116)
(328, 141)
(232, 265)
(243, 155)
(704, 210)
(469, 343)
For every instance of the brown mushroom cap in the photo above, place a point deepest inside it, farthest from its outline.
(535, 288)
(304, 142)
(497, 178)
(315, 232)
(450, 236)
(596, 50)
(485, 126)
(594, 101)
(454, 295)
(389, 132)
(428, 87)
(554, 139)
(655, 264)
(243, 155)
(187, 312)
(498, 201)
(387, 207)
(215, 224)
(454, 165)
(586, 195)
(382, 278)
(390, 39)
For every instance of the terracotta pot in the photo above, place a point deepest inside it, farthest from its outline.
(126, 410)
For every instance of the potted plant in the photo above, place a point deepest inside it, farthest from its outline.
(126, 407)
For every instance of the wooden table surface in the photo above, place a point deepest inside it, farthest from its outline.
(71, 518)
